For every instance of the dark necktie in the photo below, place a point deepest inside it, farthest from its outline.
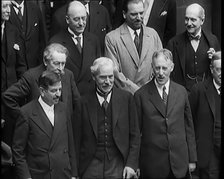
(105, 103)
(20, 16)
(136, 41)
(164, 95)
(79, 44)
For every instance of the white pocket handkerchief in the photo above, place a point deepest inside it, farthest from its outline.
(163, 13)
(16, 47)
(35, 24)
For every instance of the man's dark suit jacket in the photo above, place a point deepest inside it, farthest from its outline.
(40, 150)
(90, 52)
(167, 135)
(163, 19)
(177, 46)
(27, 88)
(34, 39)
(125, 128)
(203, 109)
(13, 64)
(99, 21)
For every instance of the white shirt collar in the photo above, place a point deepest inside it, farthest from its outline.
(101, 98)
(87, 7)
(18, 5)
(160, 88)
(45, 105)
(3, 25)
(74, 37)
(216, 86)
(132, 32)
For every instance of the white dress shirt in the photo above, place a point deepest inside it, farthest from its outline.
(216, 86)
(160, 88)
(194, 42)
(74, 37)
(49, 110)
(101, 98)
(132, 32)
(18, 5)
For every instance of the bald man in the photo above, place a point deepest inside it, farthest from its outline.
(83, 47)
(192, 49)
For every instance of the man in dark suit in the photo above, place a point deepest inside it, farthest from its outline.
(26, 16)
(109, 132)
(43, 145)
(168, 148)
(12, 63)
(161, 16)
(98, 21)
(192, 49)
(83, 47)
(205, 101)
(26, 89)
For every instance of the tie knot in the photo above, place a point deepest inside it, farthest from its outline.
(78, 39)
(164, 88)
(136, 34)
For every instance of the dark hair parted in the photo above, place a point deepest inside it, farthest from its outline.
(48, 78)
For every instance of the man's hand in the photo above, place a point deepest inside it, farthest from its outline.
(192, 167)
(128, 172)
(210, 52)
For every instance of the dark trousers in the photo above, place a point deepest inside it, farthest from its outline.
(104, 169)
(213, 170)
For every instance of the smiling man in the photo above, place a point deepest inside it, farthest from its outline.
(43, 145)
(109, 133)
(168, 149)
(131, 47)
(192, 49)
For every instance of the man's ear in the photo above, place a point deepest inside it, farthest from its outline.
(41, 91)
(124, 14)
(172, 67)
(66, 19)
(93, 77)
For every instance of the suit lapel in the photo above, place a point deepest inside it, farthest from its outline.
(41, 120)
(129, 44)
(59, 120)
(86, 60)
(155, 98)
(15, 20)
(116, 107)
(92, 108)
(210, 96)
(171, 98)
(65, 86)
(157, 8)
(181, 46)
(9, 41)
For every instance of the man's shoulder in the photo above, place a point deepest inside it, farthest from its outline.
(34, 72)
(29, 107)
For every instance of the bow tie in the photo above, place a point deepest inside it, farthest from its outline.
(197, 37)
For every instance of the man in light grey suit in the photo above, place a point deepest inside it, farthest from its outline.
(131, 47)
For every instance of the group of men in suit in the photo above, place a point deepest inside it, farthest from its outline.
(108, 123)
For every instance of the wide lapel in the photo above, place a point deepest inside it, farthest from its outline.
(93, 14)
(14, 19)
(65, 88)
(171, 98)
(9, 40)
(30, 16)
(155, 98)
(41, 120)
(210, 97)
(129, 44)
(92, 103)
(181, 46)
(87, 60)
(59, 122)
(116, 103)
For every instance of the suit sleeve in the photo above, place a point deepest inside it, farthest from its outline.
(16, 94)
(134, 135)
(189, 130)
(19, 146)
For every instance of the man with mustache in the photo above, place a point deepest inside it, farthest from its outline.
(192, 49)
(131, 47)
(26, 89)
(108, 128)
(168, 149)
(83, 46)
(205, 101)
(43, 145)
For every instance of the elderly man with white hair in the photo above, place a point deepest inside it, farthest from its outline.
(192, 49)
(108, 131)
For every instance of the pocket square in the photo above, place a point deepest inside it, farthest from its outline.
(35, 24)
(16, 47)
(163, 13)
